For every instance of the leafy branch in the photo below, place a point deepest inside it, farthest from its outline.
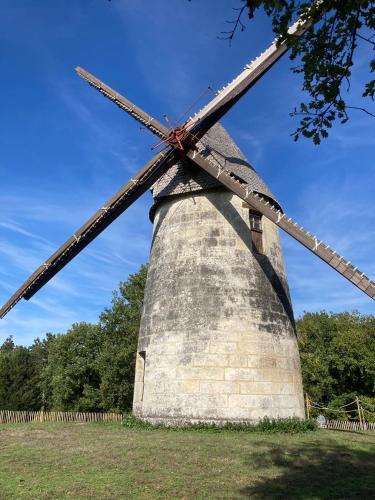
(326, 52)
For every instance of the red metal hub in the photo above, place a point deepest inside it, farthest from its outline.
(178, 137)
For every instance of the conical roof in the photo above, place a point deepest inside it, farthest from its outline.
(183, 178)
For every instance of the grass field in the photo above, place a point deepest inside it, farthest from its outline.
(78, 461)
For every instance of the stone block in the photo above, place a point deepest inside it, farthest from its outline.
(258, 388)
(193, 346)
(237, 360)
(257, 348)
(160, 374)
(208, 401)
(273, 375)
(285, 401)
(219, 387)
(253, 401)
(199, 373)
(223, 347)
(208, 359)
(183, 387)
(239, 374)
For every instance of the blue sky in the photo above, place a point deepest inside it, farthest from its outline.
(65, 149)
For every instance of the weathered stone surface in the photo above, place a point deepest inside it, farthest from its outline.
(217, 326)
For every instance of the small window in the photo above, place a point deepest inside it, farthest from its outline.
(255, 221)
(256, 228)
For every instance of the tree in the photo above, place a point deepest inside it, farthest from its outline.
(20, 375)
(120, 327)
(39, 355)
(91, 367)
(337, 356)
(326, 53)
(71, 379)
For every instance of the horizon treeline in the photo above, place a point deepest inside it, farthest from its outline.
(91, 366)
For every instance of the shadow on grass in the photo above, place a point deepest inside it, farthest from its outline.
(305, 471)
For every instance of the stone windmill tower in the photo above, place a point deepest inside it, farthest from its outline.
(217, 339)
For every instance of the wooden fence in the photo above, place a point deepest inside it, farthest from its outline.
(349, 425)
(21, 417)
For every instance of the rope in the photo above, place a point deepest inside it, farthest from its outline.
(331, 409)
(195, 102)
(342, 406)
(318, 406)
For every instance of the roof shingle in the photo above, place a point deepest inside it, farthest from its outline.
(183, 178)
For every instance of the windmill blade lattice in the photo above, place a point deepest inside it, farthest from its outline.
(114, 207)
(134, 111)
(252, 72)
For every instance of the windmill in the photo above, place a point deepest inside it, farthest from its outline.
(217, 339)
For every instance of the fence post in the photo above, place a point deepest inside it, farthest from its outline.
(359, 412)
(307, 406)
(363, 419)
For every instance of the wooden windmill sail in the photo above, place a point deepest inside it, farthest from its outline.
(191, 145)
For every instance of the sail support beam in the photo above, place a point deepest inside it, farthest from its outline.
(312, 243)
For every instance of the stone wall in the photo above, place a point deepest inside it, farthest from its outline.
(217, 333)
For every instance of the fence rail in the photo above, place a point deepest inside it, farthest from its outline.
(21, 417)
(349, 425)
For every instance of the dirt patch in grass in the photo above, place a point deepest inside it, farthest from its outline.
(108, 461)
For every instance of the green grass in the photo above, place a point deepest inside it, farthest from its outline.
(80, 461)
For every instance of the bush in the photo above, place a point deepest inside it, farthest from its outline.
(286, 425)
(290, 425)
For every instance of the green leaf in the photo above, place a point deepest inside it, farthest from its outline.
(316, 139)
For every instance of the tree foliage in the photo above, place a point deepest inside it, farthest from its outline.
(90, 367)
(70, 380)
(325, 54)
(337, 357)
(120, 326)
(20, 374)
